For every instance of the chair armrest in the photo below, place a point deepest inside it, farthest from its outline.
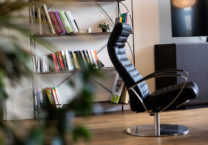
(165, 73)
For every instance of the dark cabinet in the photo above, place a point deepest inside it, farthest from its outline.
(191, 57)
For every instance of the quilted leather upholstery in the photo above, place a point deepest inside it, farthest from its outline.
(155, 101)
(126, 70)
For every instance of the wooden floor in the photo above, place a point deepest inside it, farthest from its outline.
(109, 129)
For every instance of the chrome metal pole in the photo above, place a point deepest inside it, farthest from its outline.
(157, 124)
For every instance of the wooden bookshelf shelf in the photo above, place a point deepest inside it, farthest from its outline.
(60, 72)
(112, 107)
(73, 34)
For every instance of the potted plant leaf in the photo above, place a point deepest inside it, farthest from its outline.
(104, 27)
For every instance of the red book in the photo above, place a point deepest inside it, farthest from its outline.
(54, 22)
(55, 62)
(61, 60)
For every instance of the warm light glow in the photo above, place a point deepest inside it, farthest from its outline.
(183, 3)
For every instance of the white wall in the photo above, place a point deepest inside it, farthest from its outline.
(146, 31)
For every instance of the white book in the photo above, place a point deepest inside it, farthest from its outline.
(90, 56)
(45, 66)
(58, 97)
(71, 21)
(69, 61)
(64, 60)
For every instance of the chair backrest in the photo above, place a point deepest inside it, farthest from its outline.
(122, 64)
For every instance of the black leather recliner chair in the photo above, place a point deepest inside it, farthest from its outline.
(140, 97)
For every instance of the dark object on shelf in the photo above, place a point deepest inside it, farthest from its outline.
(104, 27)
(188, 56)
(104, 30)
(190, 18)
(140, 98)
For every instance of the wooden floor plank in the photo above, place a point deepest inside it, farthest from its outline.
(110, 129)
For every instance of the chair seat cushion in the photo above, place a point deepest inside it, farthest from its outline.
(162, 97)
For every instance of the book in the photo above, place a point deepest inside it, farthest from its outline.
(58, 97)
(77, 66)
(79, 59)
(124, 96)
(93, 57)
(39, 20)
(117, 90)
(72, 59)
(76, 25)
(90, 56)
(53, 95)
(54, 22)
(60, 60)
(48, 19)
(84, 58)
(55, 61)
(59, 22)
(87, 56)
(64, 60)
(49, 95)
(65, 22)
(71, 21)
(45, 66)
(44, 23)
(99, 63)
(69, 61)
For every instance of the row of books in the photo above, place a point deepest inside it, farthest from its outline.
(66, 61)
(42, 96)
(124, 18)
(54, 22)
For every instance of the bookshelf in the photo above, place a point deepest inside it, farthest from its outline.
(107, 106)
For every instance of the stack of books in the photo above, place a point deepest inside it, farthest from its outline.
(54, 22)
(42, 96)
(66, 61)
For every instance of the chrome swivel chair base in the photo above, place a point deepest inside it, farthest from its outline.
(158, 129)
(165, 130)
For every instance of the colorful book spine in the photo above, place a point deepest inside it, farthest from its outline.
(55, 61)
(53, 96)
(71, 21)
(60, 22)
(49, 95)
(60, 60)
(65, 21)
(77, 66)
(96, 57)
(54, 22)
(48, 19)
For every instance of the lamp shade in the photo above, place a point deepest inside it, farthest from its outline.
(183, 3)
